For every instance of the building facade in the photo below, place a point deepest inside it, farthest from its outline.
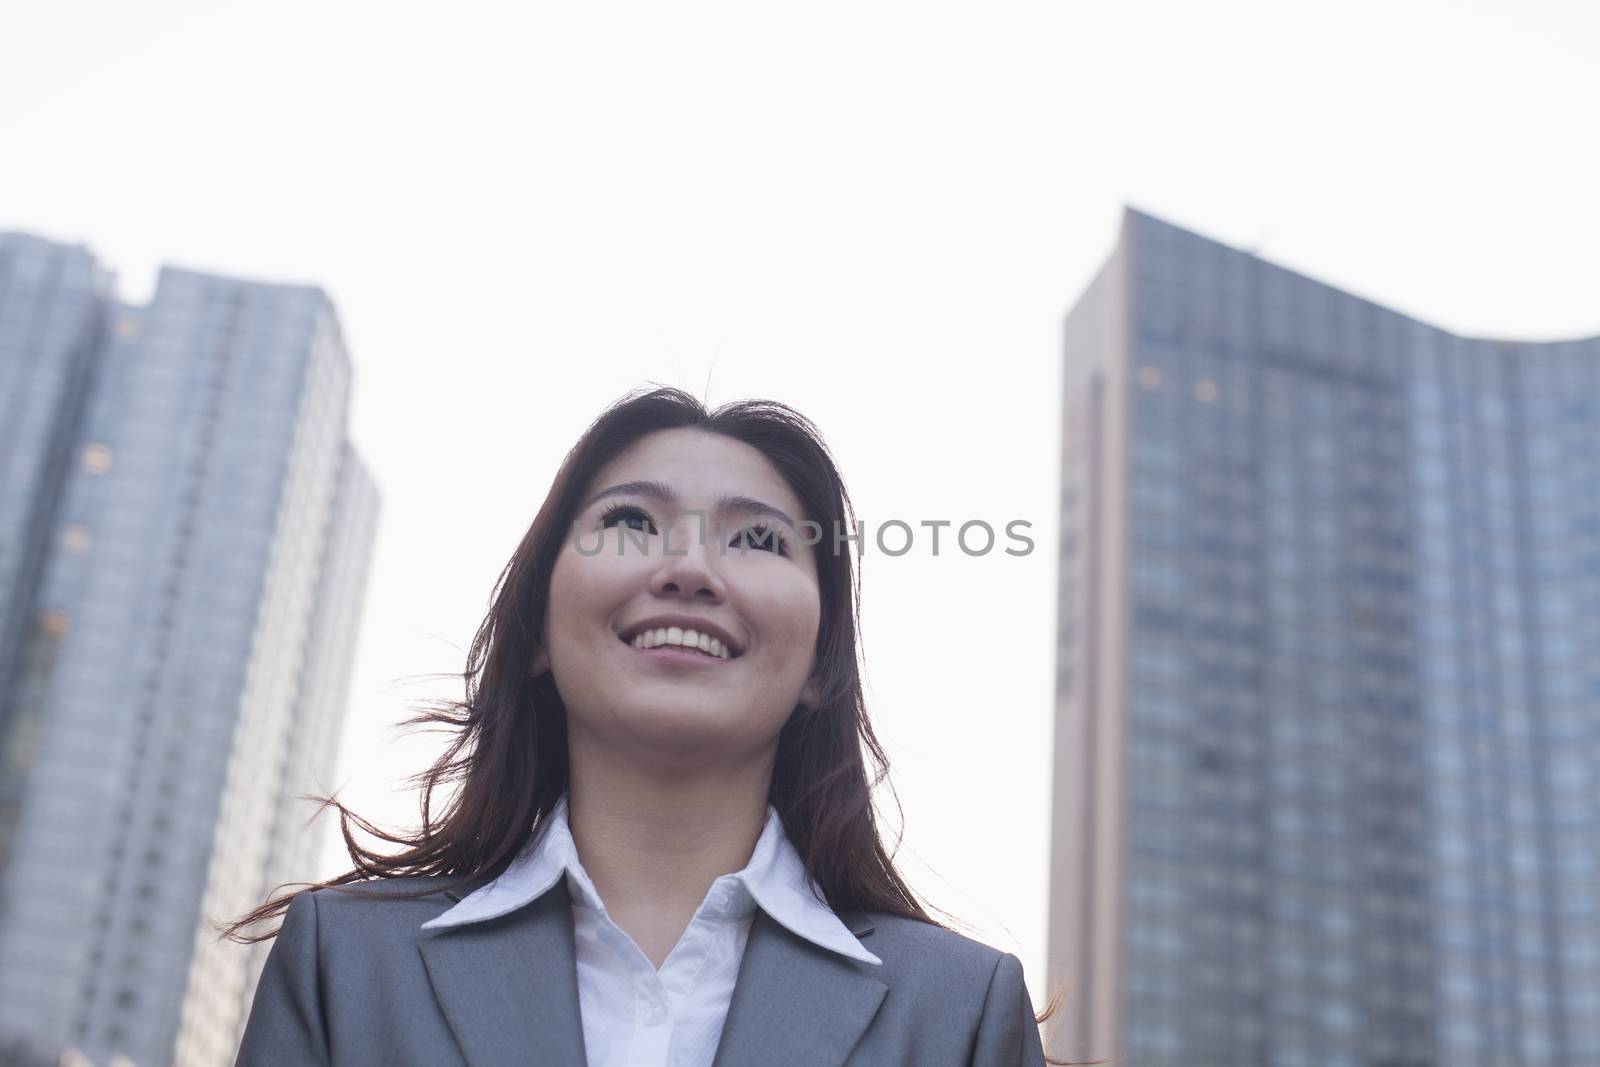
(181, 630)
(1327, 763)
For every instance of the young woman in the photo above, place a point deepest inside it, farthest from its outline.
(662, 851)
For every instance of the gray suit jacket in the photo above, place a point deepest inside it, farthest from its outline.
(353, 982)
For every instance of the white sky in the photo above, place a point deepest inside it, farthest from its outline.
(876, 213)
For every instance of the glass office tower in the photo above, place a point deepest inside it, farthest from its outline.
(1327, 755)
(181, 624)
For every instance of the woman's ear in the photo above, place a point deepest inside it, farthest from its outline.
(811, 692)
(541, 662)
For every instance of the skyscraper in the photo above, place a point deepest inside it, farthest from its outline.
(1327, 758)
(182, 557)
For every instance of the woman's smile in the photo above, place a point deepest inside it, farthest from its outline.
(693, 636)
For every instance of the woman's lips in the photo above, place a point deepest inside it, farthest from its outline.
(673, 655)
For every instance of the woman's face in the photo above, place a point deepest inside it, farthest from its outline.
(684, 531)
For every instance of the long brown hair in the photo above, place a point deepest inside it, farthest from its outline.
(509, 751)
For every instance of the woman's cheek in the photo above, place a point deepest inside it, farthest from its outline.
(801, 615)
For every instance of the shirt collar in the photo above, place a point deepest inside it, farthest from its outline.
(774, 880)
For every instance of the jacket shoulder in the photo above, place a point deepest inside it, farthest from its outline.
(344, 982)
(411, 885)
(920, 946)
(394, 902)
(950, 991)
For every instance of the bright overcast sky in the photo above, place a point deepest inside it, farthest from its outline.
(875, 213)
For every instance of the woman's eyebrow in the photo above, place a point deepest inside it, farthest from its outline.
(752, 506)
(647, 489)
(653, 490)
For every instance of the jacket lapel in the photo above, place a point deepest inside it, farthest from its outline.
(509, 990)
(509, 986)
(796, 1004)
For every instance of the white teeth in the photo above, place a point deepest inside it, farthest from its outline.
(675, 635)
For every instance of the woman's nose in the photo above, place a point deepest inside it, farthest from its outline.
(687, 567)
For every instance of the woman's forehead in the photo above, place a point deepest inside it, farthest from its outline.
(697, 467)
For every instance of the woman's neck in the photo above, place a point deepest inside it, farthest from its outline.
(653, 843)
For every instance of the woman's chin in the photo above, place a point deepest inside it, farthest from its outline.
(689, 733)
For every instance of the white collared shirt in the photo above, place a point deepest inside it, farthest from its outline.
(634, 1015)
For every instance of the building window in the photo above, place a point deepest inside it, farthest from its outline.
(96, 458)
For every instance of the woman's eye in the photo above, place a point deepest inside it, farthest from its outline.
(761, 537)
(631, 517)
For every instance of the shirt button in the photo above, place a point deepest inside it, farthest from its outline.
(657, 1013)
